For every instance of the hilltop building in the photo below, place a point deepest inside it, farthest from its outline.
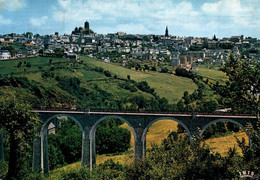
(166, 32)
(82, 31)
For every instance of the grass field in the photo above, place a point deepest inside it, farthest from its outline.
(10, 66)
(169, 86)
(166, 85)
(212, 73)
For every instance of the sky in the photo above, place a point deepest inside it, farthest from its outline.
(197, 18)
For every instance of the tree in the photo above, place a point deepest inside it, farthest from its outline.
(111, 138)
(19, 64)
(41, 52)
(21, 125)
(153, 68)
(164, 70)
(241, 92)
(28, 65)
(186, 97)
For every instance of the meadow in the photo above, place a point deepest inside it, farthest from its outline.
(166, 85)
(212, 73)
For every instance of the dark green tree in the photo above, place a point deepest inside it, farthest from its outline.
(21, 125)
(110, 138)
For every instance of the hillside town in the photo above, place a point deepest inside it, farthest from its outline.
(120, 47)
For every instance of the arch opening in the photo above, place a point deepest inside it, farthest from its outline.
(112, 137)
(63, 143)
(159, 129)
(220, 135)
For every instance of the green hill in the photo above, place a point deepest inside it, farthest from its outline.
(166, 85)
(44, 76)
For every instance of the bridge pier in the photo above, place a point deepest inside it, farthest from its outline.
(92, 149)
(1, 147)
(36, 153)
(139, 144)
(85, 157)
(44, 151)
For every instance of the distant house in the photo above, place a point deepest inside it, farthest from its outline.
(51, 128)
(71, 56)
(5, 54)
(194, 68)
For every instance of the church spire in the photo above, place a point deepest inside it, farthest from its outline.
(166, 32)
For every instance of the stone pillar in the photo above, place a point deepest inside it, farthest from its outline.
(85, 158)
(144, 146)
(44, 151)
(92, 149)
(36, 153)
(1, 147)
(139, 146)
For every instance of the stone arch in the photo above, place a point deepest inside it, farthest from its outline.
(165, 118)
(93, 132)
(226, 120)
(44, 141)
(57, 115)
(94, 127)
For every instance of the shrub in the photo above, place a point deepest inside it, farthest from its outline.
(164, 70)
(128, 86)
(107, 73)
(47, 74)
(28, 65)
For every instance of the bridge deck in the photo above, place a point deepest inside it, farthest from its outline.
(149, 113)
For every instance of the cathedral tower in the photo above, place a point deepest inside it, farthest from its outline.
(166, 32)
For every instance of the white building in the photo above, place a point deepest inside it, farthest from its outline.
(5, 54)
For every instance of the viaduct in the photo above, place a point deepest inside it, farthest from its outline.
(139, 122)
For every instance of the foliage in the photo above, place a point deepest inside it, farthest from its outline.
(183, 72)
(143, 86)
(65, 145)
(220, 129)
(241, 92)
(164, 70)
(21, 125)
(251, 154)
(110, 170)
(3, 169)
(178, 158)
(47, 74)
(77, 174)
(128, 86)
(110, 138)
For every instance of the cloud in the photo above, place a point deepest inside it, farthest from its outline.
(12, 5)
(231, 12)
(122, 14)
(5, 21)
(37, 22)
(64, 3)
(133, 28)
(149, 16)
